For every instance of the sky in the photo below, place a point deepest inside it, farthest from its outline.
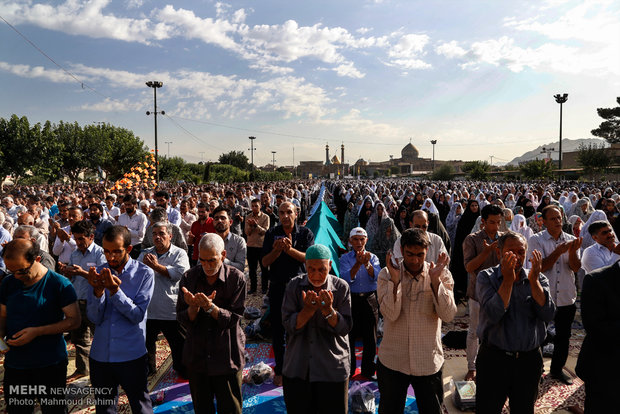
(477, 76)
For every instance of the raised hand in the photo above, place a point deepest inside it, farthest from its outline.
(110, 282)
(94, 279)
(508, 266)
(326, 298)
(311, 301)
(575, 245)
(436, 270)
(490, 247)
(394, 272)
(536, 261)
(189, 297)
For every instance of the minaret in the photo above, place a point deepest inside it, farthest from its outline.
(326, 154)
(342, 154)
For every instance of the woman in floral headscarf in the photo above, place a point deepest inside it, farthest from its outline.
(382, 233)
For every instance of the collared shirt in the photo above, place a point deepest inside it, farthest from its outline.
(163, 304)
(256, 235)
(412, 332)
(120, 319)
(113, 213)
(214, 346)
(5, 237)
(473, 245)
(136, 225)
(317, 351)
(284, 268)
(435, 248)
(362, 283)
(522, 325)
(186, 224)
(597, 256)
(100, 228)
(561, 278)
(63, 249)
(174, 215)
(198, 230)
(236, 251)
(93, 257)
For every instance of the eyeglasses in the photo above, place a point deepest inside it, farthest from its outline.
(24, 271)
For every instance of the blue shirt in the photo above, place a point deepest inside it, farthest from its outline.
(120, 319)
(93, 257)
(522, 326)
(100, 228)
(363, 282)
(5, 237)
(174, 216)
(37, 305)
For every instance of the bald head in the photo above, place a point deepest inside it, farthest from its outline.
(26, 219)
(21, 249)
(419, 220)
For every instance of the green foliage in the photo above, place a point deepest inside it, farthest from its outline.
(537, 169)
(258, 175)
(122, 150)
(443, 173)
(477, 170)
(594, 159)
(610, 128)
(66, 150)
(235, 158)
(223, 173)
(176, 169)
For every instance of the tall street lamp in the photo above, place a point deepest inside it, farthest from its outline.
(155, 85)
(560, 99)
(252, 150)
(433, 141)
(273, 160)
(168, 142)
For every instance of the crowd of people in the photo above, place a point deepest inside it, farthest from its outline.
(115, 271)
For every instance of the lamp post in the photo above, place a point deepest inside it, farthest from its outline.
(273, 160)
(433, 141)
(560, 99)
(168, 142)
(252, 150)
(155, 85)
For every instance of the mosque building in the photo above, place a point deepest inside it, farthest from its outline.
(409, 163)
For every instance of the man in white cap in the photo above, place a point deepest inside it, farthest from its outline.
(360, 268)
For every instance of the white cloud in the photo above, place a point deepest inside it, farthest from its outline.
(26, 71)
(347, 69)
(354, 122)
(85, 18)
(450, 50)
(109, 105)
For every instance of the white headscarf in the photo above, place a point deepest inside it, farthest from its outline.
(598, 215)
(519, 225)
(430, 207)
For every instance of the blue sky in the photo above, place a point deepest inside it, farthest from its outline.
(478, 76)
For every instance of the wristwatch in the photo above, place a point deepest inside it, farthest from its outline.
(332, 313)
(211, 308)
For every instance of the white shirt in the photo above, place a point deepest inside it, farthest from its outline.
(597, 256)
(432, 253)
(63, 249)
(561, 278)
(136, 225)
(113, 213)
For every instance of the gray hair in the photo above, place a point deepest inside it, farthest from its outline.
(32, 231)
(212, 241)
(510, 235)
(164, 224)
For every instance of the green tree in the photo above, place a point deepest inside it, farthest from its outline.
(235, 158)
(443, 173)
(477, 170)
(17, 147)
(594, 159)
(537, 169)
(610, 128)
(81, 149)
(121, 150)
(48, 150)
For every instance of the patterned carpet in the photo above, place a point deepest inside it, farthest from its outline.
(266, 398)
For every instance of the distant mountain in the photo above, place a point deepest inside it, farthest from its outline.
(568, 145)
